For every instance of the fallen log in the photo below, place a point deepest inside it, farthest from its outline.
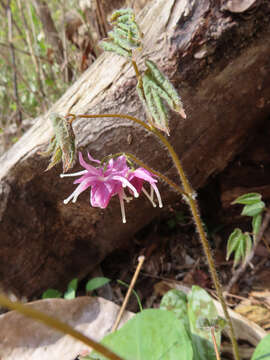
(217, 56)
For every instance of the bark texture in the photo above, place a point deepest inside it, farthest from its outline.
(217, 58)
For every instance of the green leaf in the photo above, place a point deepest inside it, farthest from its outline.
(218, 323)
(152, 334)
(120, 12)
(126, 43)
(248, 199)
(248, 245)
(51, 293)
(253, 209)
(240, 244)
(239, 252)
(155, 106)
(49, 82)
(34, 16)
(233, 242)
(166, 85)
(96, 283)
(159, 90)
(201, 305)
(112, 47)
(262, 351)
(62, 144)
(71, 290)
(256, 223)
(125, 36)
(176, 301)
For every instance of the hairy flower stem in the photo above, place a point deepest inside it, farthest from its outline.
(212, 268)
(205, 244)
(190, 198)
(189, 195)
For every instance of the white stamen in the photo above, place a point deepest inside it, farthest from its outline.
(152, 192)
(67, 200)
(125, 183)
(149, 197)
(158, 195)
(122, 206)
(74, 174)
(76, 193)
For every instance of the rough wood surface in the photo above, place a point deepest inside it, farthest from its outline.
(219, 61)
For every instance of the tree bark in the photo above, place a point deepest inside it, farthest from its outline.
(219, 62)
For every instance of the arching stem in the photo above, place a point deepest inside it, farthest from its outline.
(190, 197)
(151, 170)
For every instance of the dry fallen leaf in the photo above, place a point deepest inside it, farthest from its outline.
(24, 339)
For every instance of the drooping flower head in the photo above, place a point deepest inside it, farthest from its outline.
(138, 177)
(109, 180)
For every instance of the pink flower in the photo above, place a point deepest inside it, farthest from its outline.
(112, 179)
(104, 182)
(138, 177)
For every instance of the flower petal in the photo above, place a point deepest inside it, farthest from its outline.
(100, 195)
(84, 164)
(92, 159)
(144, 174)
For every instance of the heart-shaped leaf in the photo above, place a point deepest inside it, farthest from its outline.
(152, 334)
(262, 351)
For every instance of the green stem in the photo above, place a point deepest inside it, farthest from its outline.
(190, 198)
(137, 72)
(56, 324)
(121, 116)
(205, 244)
(134, 293)
(212, 268)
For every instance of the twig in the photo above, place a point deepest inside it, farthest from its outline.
(12, 52)
(25, 52)
(13, 98)
(41, 76)
(131, 286)
(14, 22)
(242, 268)
(212, 330)
(64, 40)
(30, 46)
(101, 19)
(36, 93)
